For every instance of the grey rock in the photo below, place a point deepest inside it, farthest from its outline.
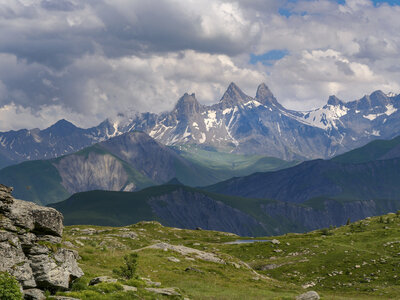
(63, 298)
(49, 238)
(5, 194)
(311, 295)
(173, 259)
(13, 260)
(38, 249)
(57, 271)
(164, 291)
(102, 279)
(31, 252)
(69, 244)
(34, 294)
(128, 288)
(191, 269)
(38, 219)
(150, 282)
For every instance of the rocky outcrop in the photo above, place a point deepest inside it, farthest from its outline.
(30, 237)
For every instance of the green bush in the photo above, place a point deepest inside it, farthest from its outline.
(128, 270)
(9, 287)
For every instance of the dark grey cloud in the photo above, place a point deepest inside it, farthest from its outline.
(87, 59)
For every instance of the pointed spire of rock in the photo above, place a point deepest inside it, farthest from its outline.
(333, 100)
(265, 97)
(234, 95)
(187, 104)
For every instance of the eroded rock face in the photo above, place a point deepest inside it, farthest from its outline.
(30, 237)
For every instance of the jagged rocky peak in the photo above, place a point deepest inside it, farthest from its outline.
(379, 98)
(376, 99)
(265, 96)
(30, 236)
(187, 105)
(234, 95)
(335, 101)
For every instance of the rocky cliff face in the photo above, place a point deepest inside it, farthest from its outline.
(30, 237)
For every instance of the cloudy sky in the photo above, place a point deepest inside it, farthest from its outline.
(86, 60)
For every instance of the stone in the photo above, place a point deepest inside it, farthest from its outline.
(34, 294)
(102, 279)
(173, 259)
(311, 295)
(128, 288)
(191, 269)
(5, 194)
(164, 291)
(275, 242)
(151, 283)
(183, 250)
(13, 260)
(128, 235)
(69, 244)
(49, 238)
(38, 219)
(57, 271)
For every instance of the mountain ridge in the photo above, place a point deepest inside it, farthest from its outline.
(237, 123)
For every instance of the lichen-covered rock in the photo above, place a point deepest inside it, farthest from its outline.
(55, 271)
(34, 294)
(30, 216)
(13, 259)
(30, 240)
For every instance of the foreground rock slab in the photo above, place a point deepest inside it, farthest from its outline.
(30, 249)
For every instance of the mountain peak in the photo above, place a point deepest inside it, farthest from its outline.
(187, 104)
(234, 95)
(62, 124)
(265, 96)
(174, 181)
(333, 100)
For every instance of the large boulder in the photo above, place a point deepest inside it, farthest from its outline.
(35, 218)
(311, 295)
(30, 239)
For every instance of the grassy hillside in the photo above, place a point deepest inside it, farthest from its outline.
(357, 261)
(375, 150)
(37, 181)
(318, 178)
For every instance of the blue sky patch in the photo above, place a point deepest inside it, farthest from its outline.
(269, 57)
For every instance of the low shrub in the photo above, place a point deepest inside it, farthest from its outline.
(9, 287)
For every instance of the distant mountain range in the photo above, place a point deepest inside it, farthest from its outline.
(315, 194)
(238, 123)
(127, 162)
